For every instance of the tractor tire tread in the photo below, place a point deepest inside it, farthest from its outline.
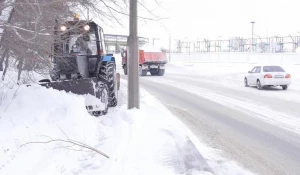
(107, 71)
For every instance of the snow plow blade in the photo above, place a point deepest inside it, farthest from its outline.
(94, 90)
(78, 86)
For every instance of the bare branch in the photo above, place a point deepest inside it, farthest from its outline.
(71, 142)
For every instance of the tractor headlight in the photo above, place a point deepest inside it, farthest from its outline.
(86, 27)
(63, 28)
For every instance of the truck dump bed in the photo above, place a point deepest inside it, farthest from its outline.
(152, 57)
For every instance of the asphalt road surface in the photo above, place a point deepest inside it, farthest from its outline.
(259, 130)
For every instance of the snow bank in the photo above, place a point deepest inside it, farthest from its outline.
(31, 114)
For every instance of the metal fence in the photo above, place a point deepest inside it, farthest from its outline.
(257, 44)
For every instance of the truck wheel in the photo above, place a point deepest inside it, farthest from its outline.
(144, 72)
(125, 69)
(108, 72)
(154, 72)
(161, 72)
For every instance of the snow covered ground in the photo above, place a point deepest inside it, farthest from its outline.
(138, 142)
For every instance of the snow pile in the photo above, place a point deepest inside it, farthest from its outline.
(35, 114)
(150, 48)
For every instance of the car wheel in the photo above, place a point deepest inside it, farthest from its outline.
(246, 82)
(284, 87)
(259, 87)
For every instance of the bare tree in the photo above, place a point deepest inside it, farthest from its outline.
(27, 26)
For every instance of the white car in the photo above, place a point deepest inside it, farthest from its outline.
(261, 76)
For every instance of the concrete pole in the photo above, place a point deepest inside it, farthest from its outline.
(133, 59)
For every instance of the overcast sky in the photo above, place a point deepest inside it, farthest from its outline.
(213, 18)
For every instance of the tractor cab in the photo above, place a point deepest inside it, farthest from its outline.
(78, 47)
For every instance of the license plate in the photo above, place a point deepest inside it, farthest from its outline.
(278, 76)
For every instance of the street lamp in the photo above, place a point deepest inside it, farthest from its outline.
(252, 22)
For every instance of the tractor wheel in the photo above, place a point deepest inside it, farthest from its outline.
(108, 72)
(102, 93)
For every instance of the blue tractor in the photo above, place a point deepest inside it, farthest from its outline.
(81, 66)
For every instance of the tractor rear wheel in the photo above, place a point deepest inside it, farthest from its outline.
(108, 72)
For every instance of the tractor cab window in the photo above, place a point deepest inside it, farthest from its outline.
(75, 41)
(83, 44)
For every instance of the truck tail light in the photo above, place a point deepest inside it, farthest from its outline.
(268, 76)
(288, 76)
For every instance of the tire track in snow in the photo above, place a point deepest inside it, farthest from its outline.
(183, 155)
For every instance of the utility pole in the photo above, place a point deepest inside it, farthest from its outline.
(133, 59)
(253, 22)
(170, 39)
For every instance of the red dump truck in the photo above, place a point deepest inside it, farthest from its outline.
(150, 60)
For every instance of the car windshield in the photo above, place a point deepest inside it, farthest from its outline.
(273, 69)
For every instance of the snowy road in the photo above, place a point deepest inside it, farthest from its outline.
(258, 129)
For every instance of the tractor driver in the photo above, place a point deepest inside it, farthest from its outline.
(82, 45)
